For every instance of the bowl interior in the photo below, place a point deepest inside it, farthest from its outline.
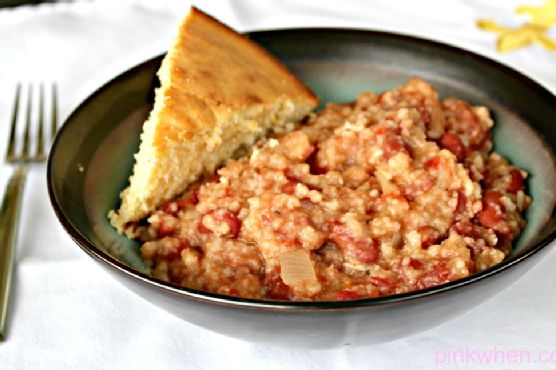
(93, 154)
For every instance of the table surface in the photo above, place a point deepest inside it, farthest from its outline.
(68, 313)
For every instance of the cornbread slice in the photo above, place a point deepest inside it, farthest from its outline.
(219, 91)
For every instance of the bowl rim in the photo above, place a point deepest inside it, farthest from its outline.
(277, 305)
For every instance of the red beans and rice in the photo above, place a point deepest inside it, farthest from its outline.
(388, 194)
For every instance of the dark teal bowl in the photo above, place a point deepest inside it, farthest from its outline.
(92, 159)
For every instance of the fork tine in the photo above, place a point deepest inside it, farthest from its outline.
(26, 133)
(10, 153)
(54, 118)
(40, 140)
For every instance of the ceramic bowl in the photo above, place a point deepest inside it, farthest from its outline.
(92, 158)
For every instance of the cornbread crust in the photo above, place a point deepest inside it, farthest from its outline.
(219, 91)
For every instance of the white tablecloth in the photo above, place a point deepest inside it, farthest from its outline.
(68, 313)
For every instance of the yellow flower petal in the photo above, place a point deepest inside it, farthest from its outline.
(544, 15)
(542, 18)
(491, 26)
(546, 42)
(513, 40)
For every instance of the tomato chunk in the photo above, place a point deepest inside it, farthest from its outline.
(346, 295)
(383, 282)
(433, 163)
(415, 264)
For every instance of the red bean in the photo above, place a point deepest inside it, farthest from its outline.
(516, 181)
(419, 186)
(489, 217)
(487, 179)
(364, 249)
(481, 137)
(492, 212)
(462, 199)
(415, 264)
(392, 143)
(467, 123)
(454, 144)
(466, 228)
(429, 236)
(277, 289)
(464, 112)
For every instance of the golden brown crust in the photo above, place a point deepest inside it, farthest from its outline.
(196, 96)
(219, 91)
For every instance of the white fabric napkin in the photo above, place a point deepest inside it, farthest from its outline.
(69, 314)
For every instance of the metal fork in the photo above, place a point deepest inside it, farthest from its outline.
(11, 205)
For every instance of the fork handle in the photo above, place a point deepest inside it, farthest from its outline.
(9, 222)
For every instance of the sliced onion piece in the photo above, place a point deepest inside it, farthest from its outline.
(296, 267)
